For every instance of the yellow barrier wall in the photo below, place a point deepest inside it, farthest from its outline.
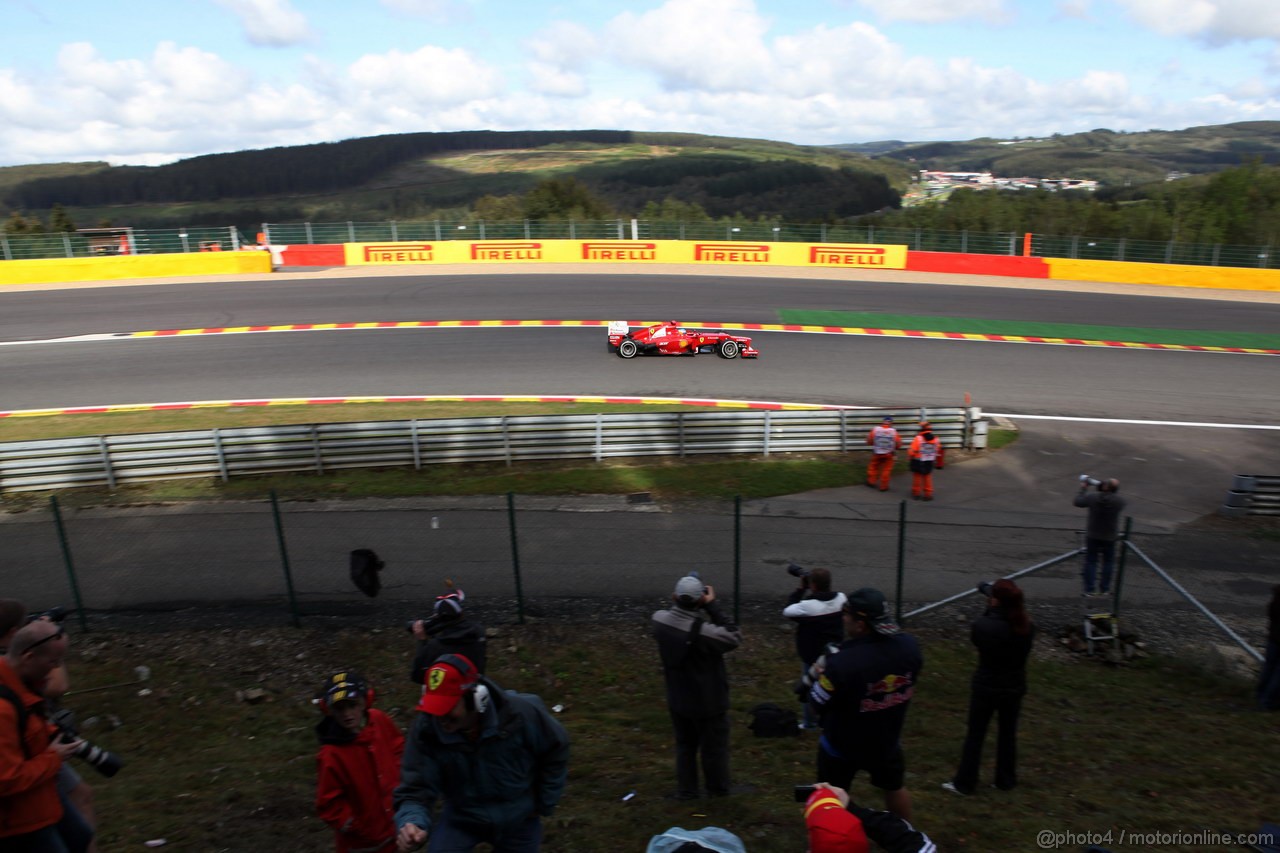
(1175, 275)
(695, 252)
(45, 270)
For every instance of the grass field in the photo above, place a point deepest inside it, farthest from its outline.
(1152, 746)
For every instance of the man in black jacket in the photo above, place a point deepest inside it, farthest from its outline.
(861, 694)
(693, 637)
(450, 631)
(1102, 531)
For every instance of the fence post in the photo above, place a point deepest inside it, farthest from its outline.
(66, 244)
(351, 231)
(599, 436)
(284, 561)
(680, 431)
(315, 449)
(234, 235)
(902, 556)
(306, 227)
(515, 556)
(221, 454)
(4, 248)
(737, 557)
(67, 561)
(767, 427)
(437, 230)
(395, 232)
(417, 444)
(1124, 550)
(105, 453)
(266, 232)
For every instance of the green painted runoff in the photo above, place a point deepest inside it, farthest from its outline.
(1030, 328)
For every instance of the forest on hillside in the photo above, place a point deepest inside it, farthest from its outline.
(597, 175)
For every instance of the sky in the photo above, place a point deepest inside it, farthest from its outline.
(147, 82)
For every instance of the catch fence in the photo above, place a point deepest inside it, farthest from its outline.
(279, 561)
(1074, 246)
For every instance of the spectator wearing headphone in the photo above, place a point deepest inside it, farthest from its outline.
(358, 765)
(496, 759)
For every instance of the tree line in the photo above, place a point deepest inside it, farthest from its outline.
(1237, 206)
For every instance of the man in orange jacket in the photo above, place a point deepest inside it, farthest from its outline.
(31, 814)
(884, 441)
(922, 456)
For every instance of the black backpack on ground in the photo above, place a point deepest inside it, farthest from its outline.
(770, 720)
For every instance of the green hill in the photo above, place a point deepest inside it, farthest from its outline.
(1115, 158)
(421, 175)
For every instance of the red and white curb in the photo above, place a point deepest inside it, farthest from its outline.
(430, 398)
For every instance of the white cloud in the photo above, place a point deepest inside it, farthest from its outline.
(940, 11)
(428, 76)
(697, 44)
(270, 23)
(1213, 21)
(561, 54)
(436, 10)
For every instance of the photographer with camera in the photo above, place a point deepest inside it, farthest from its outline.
(72, 789)
(1003, 636)
(33, 818)
(816, 610)
(693, 637)
(448, 631)
(1102, 530)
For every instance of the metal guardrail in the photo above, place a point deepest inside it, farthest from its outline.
(1252, 494)
(117, 460)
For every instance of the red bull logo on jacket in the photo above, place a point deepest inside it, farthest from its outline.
(896, 689)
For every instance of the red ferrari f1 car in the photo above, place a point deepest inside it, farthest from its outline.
(671, 339)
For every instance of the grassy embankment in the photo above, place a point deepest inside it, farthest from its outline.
(1151, 746)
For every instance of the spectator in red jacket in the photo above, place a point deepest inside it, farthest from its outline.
(32, 819)
(358, 766)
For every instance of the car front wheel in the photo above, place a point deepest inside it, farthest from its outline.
(728, 349)
(628, 349)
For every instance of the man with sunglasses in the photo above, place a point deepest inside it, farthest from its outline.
(32, 819)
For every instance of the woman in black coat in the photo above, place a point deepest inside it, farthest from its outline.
(1003, 636)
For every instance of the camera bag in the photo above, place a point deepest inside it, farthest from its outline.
(770, 720)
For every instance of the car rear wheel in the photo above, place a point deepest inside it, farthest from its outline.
(727, 349)
(628, 349)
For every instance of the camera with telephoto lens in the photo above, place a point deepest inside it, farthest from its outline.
(802, 793)
(429, 623)
(1086, 480)
(797, 571)
(105, 762)
(53, 614)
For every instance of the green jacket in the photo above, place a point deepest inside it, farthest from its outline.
(516, 769)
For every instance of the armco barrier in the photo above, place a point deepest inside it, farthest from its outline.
(1123, 272)
(1252, 494)
(133, 266)
(113, 461)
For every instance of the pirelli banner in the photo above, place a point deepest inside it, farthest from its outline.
(740, 253)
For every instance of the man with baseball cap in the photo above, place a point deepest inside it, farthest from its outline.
(496, 759)
(861, 694)
(693, 637)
